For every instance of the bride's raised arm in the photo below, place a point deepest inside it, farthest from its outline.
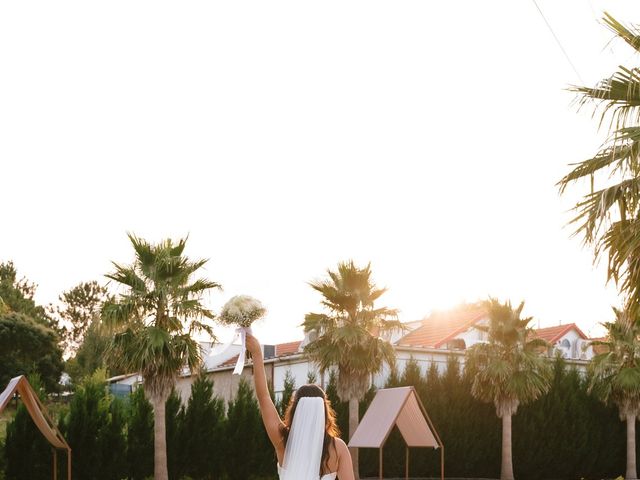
(270, 417)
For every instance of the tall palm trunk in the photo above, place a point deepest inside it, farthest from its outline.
(160, 471)
(631, 448)
(506, 472)
(354, 419)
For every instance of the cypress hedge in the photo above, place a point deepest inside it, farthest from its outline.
(287, 393)
(94, 429)
(27, 454)
(565, 434)
(202, 431)
(139, 437)
(249, 452)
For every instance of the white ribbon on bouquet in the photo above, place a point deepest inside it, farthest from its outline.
(242, 332)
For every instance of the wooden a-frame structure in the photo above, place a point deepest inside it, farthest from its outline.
(402, 407)
(40, 417)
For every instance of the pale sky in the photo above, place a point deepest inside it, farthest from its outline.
(283, 137)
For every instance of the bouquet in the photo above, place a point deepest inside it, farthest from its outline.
(241, 311)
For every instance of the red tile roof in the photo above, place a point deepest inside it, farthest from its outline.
(598, 349)
(440, 327)
(282, 349)
(231, 362)
(553, 334)
(599, 339)
(287, 348)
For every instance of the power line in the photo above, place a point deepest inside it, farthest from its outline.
(566, 55)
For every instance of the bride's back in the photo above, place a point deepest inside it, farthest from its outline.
(325, 422)
(337, 451)
(307, 445)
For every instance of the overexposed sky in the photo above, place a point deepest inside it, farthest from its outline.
(283, 137)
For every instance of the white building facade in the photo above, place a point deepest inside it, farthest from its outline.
(431, 341)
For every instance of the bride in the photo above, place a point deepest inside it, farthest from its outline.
(306, 442)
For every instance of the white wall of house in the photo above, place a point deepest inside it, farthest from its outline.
(132, 380)
(570, 345)
(216, 354)
(473, 336)
(299, 368)
(423, 357)
(573, 346)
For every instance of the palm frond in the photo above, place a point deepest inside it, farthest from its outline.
(155, 318)
(508, 370)
(345, 338)
(128, 277)
(630, 34)
(317, 321)
(536, 344)
(618, 95)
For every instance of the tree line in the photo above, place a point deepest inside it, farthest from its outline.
(564, 434)
(112, 438)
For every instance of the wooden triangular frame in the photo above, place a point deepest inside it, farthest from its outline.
(412, 392)
(40, 418)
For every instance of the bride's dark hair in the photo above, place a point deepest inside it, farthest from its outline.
(331, 429)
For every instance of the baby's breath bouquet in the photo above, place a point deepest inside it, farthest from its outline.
(241, 311)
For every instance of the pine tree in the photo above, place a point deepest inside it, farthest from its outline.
(88, 416)
(341, 408)
(140, 436)
(3, 462)
(174, 418)
(27, 453)
(287, 393)
(245, 433)
(411, 376)
(203, 429)
(112, 442)
(393, 380)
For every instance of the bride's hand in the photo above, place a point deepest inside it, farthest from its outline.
(253, 345)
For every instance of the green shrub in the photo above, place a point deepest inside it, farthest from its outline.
(2, 460)
(94, 430)
(140, 437)
(565, 434)
(248, 452)
(28, 455)
(173, 423)
(203, 432)
(287, 393)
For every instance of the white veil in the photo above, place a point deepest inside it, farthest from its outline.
(303, 452)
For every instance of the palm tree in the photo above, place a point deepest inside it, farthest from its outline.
(154, 320)
(348, 334)
(508, 370)
(608, 217)
(615, 377)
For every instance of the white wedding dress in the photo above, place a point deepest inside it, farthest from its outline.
(303, 453)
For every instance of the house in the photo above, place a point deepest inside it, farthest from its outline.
(599, 349)
(123, 385)
(434, 340)
(567, 340)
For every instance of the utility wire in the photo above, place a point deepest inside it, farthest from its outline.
(566, 55)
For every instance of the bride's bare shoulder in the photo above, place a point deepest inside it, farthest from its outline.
(337, 449)
(345, 466)
(341, 447)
